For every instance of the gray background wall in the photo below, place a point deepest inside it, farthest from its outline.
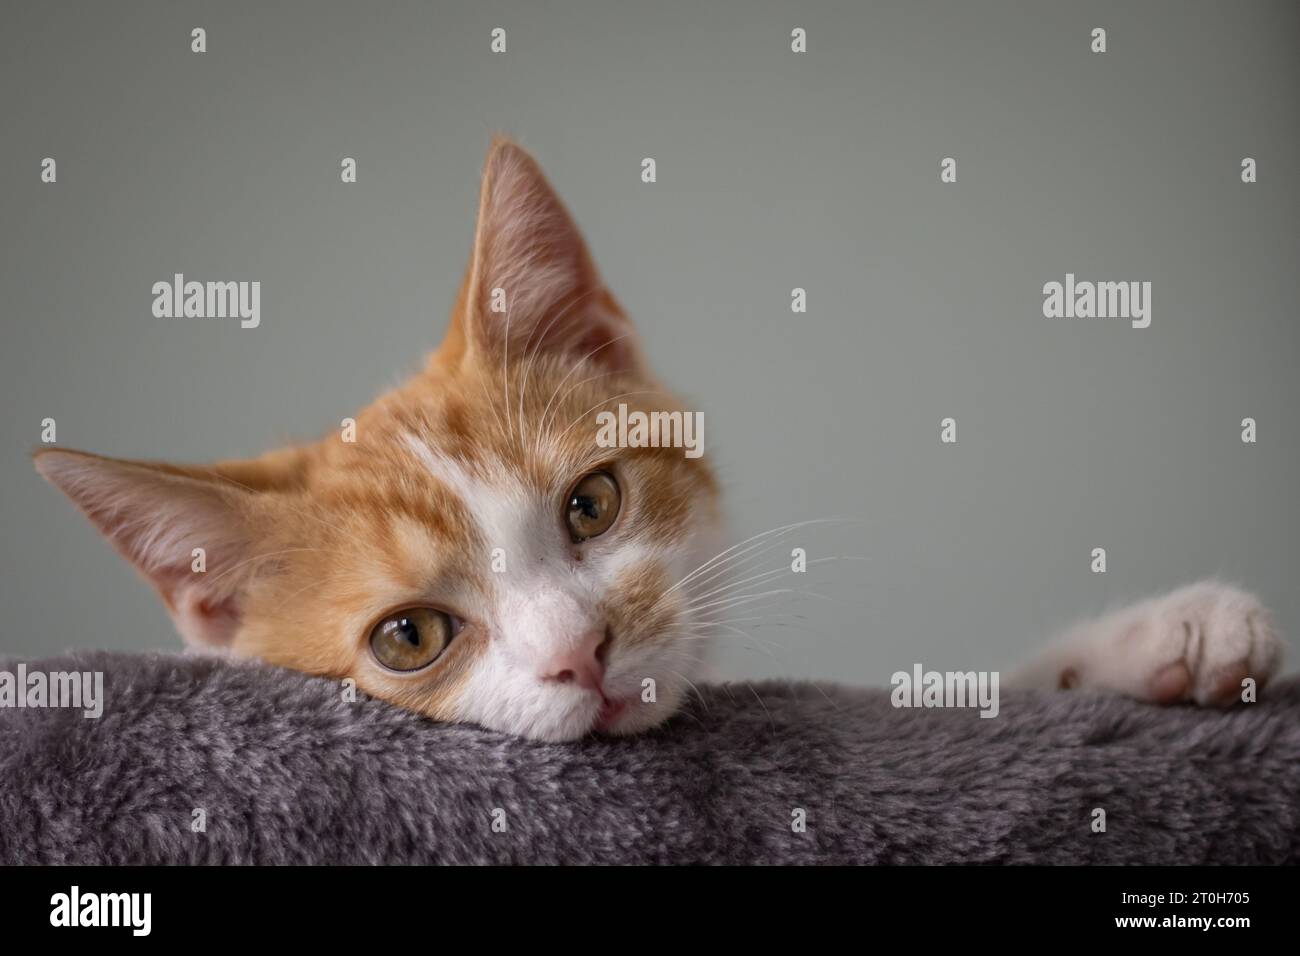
(776, 170)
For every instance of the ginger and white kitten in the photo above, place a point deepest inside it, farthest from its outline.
(473, 555)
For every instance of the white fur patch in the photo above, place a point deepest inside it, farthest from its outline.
(543, 602)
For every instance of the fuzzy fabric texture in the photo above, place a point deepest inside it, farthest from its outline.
(286, 771)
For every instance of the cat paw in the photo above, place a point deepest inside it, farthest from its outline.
(1198, 644)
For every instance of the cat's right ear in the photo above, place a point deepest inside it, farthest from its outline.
(193, 533)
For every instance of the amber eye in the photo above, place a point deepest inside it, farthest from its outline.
(593, 506)
(412, 638)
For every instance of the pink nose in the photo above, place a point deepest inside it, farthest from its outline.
(580, 664)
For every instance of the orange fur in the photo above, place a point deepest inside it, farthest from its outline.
(308, 547)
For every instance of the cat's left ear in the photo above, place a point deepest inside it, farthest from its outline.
(196, 534)
(532, 285)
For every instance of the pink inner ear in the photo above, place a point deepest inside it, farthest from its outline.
(529, 252)
(156, 518)
(204, 621)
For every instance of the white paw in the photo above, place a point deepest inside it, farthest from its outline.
(1199, 643)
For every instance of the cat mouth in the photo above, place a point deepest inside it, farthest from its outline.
(610, 712)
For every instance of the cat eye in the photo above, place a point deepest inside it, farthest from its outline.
(593, 505)
(411, 639)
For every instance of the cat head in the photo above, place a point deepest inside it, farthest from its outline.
(471, 548)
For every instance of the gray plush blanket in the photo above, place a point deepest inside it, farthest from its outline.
(199, 760)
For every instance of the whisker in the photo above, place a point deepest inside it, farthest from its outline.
(533, 350)
(640, 391)
(767, 647)
(741, 560)
(571, 389)
(762, 534)
(696, 690)
(579, 364)
(745, 598)
(732, 585)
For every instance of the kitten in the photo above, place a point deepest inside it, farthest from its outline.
(475, 555)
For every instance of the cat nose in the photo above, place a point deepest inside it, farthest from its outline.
(581, 664)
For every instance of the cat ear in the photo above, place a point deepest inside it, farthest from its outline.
(531, 284)
(191, 532)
